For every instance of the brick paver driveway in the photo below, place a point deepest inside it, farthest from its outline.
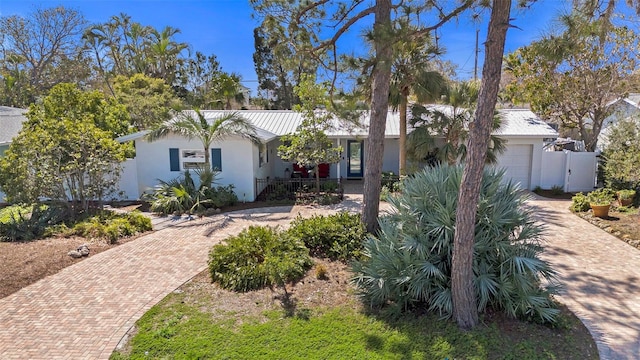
(83, 311)
(600, 275)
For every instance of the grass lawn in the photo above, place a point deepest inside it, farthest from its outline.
(321, 319)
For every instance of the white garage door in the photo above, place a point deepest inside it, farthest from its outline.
(516, 161)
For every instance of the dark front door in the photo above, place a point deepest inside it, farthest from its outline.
(355, 164)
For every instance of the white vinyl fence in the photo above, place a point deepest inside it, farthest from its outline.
(128, 185)
(574, 171)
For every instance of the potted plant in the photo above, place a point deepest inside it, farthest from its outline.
(625, 197)
(600, 201)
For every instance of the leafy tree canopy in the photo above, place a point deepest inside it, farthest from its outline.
(309, 145)
(571, 77)
(66, 150)
(148, 101)
(622, 154)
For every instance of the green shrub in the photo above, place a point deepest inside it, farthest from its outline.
(385, 193)
(222, 196)
(29, 223)
(409, 263)
(111, 226)
(329, 186)
(602, 196)
(258, 257)
(626, 194)
(180, 195)
(580, 203)
(338, 237)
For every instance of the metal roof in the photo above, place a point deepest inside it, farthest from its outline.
(11, 120)
(524, 123)
(275, 123)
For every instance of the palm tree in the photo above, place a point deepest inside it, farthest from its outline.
(449, 121)
(194, 125)
(163, 53)
(226, 90)
(412, 74)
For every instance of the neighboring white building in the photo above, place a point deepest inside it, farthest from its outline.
(620, 109)
(11, 120)
(241, 161)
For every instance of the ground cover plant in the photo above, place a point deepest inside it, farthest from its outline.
(323, 319)
(408, 264)
(338, 237)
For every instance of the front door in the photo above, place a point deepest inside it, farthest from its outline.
(354, 162)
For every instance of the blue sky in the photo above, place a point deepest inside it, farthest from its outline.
(225, 27)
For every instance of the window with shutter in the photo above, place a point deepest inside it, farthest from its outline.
(216, 159)
(174, 159)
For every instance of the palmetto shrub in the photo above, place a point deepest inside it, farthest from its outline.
(409, 263)
(181, 195)
(258, 257)
(338, 237)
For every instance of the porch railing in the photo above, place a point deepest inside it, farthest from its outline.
(277, 189)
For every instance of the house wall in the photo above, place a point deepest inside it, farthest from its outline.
(390, 157)
(239, 159)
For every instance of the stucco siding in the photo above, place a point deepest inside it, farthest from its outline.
(391, 156)
(236, 155)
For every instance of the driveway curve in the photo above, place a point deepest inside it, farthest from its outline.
(600, 275)
(83, 311)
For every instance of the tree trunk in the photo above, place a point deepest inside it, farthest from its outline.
(465, 310)
(403, 137)
(379, 108)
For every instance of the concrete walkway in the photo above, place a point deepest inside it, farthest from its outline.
(600, 275)
(83, 311)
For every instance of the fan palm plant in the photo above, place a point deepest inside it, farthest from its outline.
(408, 264)
(194, 125)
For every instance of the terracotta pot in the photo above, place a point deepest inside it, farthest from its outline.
(625, 202)
(601, 211)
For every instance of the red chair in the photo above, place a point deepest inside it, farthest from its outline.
(299, 171)
(324, 170)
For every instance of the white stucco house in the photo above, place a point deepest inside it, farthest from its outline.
(241, 162)
(622, 108)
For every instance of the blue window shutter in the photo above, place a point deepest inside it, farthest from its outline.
(216, 159)
(174, 159)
